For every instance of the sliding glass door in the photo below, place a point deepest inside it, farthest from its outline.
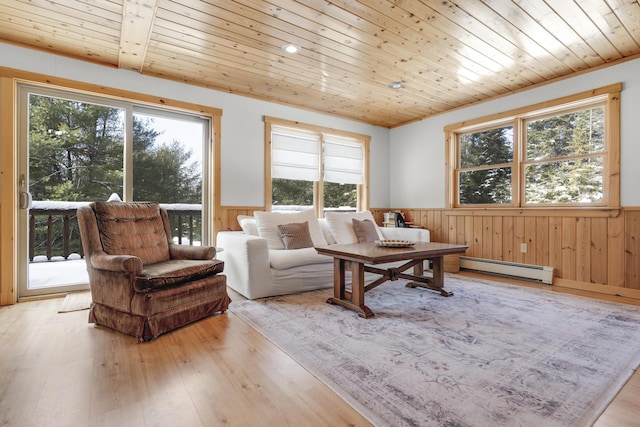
(75, 149)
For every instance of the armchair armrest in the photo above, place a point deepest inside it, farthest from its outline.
(246, 261)
(191, 252)
(117, 263)
(397, 233)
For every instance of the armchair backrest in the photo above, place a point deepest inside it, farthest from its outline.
(138, 229)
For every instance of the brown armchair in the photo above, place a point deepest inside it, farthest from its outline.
(141, 282)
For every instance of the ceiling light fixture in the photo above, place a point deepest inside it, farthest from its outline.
(396, 85)
(291, 48)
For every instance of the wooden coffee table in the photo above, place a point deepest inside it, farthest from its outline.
(361, 257)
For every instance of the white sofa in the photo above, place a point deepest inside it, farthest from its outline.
(258, 266)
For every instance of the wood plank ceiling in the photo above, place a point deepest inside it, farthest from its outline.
(447, 54)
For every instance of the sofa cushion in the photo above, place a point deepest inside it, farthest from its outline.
(174, 272)
(296, 257)
(341, 225)
(132, 229)
(365, 230)
(248, 224)
(267, 224)
(324, 225)
(295, 235)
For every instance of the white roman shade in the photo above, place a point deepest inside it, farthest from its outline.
(343, 160)
(295, 154)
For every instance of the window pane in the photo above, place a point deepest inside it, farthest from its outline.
(580, 132)
(75, 149)
(340, 196)
(75, 155)
(491, 147)
(167, 168)
(567, 181)
(167, 157)
(289, 192)
(487, 186)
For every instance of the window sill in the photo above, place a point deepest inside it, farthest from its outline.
(546, 211)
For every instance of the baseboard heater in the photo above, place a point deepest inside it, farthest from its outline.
(538, 273)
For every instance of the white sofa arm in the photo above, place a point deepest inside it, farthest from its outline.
(246, 262)
(398, 233)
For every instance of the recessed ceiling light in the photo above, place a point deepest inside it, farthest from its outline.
(291, 48)
(396, 85)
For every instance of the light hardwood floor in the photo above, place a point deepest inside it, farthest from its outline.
(58, 370)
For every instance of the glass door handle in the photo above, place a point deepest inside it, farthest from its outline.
(25, 200)
(25, 196)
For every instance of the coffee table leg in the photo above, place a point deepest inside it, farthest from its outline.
(355, 299)
(437, 282)
(338, 278)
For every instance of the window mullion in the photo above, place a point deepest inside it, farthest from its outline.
(318, 187)
(519, 155)
(318, 198)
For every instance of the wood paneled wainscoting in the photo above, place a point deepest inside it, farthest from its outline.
(596, 251)
(590, 250)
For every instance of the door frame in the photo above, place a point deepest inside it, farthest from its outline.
(9, 172)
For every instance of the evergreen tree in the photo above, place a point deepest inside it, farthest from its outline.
(570, 175)
(481, 149)
(338, 195)
(75, 150)
(288, 192)
(76, 153)
(163, 173)
(291, 192)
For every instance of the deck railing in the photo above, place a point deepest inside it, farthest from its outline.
(54, 233)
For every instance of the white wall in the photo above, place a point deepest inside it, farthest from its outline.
(418, 149)
(242, 133)
(406, 172)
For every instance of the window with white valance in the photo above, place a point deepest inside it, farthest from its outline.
(309, 166)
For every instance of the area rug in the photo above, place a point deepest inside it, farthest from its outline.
(75, 301)
(491, 355)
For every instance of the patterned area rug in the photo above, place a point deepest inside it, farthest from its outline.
(491, 355)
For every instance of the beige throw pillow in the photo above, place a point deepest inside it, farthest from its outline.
(295, 235)
(365, 230)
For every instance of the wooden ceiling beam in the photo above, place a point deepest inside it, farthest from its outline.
(138, 17)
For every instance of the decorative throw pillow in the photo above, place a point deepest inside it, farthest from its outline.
(267, 224)
(295, 235)
(365, 230)
(342, 228)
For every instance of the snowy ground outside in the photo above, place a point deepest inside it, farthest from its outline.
(46, 274)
